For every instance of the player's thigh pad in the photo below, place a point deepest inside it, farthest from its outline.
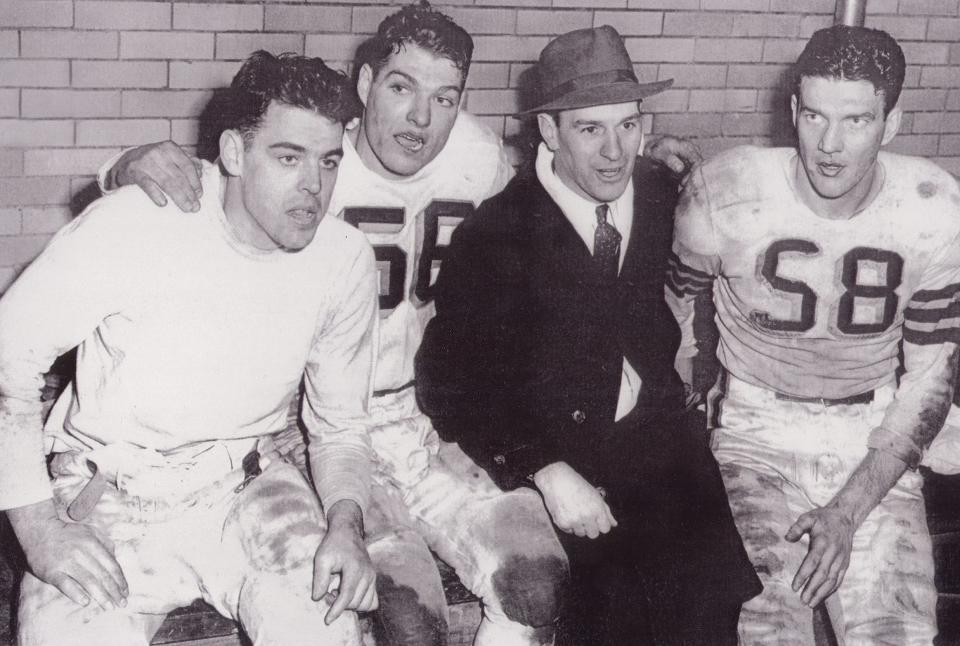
(502, 544)
(274, 526)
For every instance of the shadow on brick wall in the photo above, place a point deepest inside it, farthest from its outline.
(211, 122)
(526, 139)
(781, 124)
(84, 197)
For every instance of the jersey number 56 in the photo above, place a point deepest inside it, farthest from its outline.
(394, 258)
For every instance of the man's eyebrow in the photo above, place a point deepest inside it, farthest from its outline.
(334, 152)
(406, 76)
(413, 81)
(591, 122)
(286, 144)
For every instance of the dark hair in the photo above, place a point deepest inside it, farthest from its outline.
(291, 79)
(854, 54)
(422, 25)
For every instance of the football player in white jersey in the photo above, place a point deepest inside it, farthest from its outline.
(412, 170)
(825, 261)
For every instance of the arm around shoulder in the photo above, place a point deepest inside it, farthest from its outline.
(159, 169)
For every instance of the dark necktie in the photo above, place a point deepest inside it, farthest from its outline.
(606, 245)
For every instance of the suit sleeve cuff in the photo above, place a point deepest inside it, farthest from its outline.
(514, 468)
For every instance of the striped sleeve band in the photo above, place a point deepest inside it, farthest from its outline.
(684, 280)
(933, 316)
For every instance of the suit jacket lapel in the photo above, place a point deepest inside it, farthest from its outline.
(554, 233)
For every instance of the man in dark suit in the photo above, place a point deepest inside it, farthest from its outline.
(550, 361)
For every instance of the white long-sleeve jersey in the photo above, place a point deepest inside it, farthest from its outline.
(187, 335)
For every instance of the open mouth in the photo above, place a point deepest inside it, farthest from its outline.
(829, 170)
(410, 141)
(303, 216)
(610, 174)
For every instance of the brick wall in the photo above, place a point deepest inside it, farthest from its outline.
(80, 79)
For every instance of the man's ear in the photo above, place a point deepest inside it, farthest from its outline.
(231, 152)
(364, 81)
(549, 130)
(892, 125)
(794, 104)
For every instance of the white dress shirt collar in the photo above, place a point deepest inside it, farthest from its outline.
(581, 212)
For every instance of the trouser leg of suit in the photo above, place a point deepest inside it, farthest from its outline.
(249, 554)
(780, 459)
(607, 602)
(674, 571)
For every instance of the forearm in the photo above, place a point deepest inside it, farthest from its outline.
(873, 478)
(921, 404)
(501, 439)
(27, 520)
(341, 473)
(694, 263)
(338, 381)
(683, 307)
(23, 469)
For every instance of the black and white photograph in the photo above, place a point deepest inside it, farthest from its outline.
(480, 322)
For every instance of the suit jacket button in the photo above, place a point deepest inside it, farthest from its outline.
(499, 460)
(579, 416)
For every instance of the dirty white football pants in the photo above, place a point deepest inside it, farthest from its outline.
(248, 554)
(780, 459)
(429, 495)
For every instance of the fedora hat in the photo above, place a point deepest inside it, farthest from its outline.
(589, 67)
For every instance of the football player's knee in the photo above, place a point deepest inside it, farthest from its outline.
(407, 619)
(530, 590)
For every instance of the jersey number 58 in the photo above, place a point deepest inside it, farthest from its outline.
(849, 278)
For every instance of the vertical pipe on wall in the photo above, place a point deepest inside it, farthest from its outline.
(851, 12)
